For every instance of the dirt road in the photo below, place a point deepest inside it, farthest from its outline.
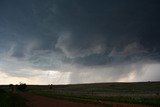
(40, 101)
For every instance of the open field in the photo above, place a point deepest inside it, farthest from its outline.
(142, 93)
(138, 93)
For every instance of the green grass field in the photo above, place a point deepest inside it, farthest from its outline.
(133, 93)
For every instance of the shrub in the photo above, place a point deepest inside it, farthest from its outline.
(50, 86)
(22, 87)
(12, 88)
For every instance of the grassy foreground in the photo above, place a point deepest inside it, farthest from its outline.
(133, 93)
(88, 98)
(11, 100)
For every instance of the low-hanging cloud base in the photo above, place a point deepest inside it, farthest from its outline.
(75, 41)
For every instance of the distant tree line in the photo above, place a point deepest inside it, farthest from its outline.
(20, 87)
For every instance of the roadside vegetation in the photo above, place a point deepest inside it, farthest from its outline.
(11, 100)
(8, 98)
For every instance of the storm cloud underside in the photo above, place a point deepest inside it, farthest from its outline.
(75, 41)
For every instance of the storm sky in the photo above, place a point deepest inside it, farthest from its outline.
(79, 41)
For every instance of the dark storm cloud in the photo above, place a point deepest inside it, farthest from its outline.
(63, 34)
(99, 29)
